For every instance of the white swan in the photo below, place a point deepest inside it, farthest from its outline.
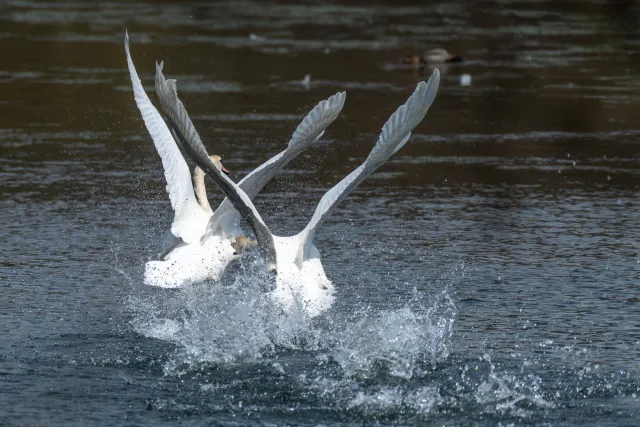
(301, 279)
(190, 258)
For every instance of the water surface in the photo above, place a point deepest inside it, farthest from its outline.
(489, 274)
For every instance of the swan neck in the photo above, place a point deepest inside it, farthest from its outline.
(200, 189)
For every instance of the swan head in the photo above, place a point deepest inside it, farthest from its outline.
(243, 242)
(217, 160)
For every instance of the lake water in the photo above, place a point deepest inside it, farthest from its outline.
(488, 275)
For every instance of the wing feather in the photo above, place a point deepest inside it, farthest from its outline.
(176, 170)
(226, 219)
(183, 127)
(395, 133)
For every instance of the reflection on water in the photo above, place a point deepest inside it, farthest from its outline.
(488, 274)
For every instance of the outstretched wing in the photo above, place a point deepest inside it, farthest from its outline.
(395, 133)
(176, 170)
(225, 219)
(308, 131)
(183, 127)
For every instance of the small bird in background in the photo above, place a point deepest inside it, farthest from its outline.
(431, 58)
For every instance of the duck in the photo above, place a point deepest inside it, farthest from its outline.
(431, 58)
(198, 247)
(295, 261)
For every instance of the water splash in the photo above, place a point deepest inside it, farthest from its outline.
(508, 394)
(236, 347)
(399, 340)
(235, 321)
(222, 323)
(389, 364)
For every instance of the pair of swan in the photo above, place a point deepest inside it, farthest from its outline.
(300, 278)
(201, 247)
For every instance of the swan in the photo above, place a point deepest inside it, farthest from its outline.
(200, 246)
(300, 277)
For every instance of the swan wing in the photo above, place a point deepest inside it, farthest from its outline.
(395, 134)
(308, 131)
(176, 170)
(184, 129)
(312, 127)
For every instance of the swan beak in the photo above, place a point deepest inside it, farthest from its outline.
(223, 169)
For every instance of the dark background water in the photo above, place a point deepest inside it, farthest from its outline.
(489, 274)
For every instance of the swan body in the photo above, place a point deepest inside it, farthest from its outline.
(300, 279)
(201, 248)
(198, 260)
(304, 285)
(190, 263)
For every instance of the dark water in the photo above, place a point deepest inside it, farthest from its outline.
(488, 275)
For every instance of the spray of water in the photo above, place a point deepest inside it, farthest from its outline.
(374, 362)
(235, 321)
